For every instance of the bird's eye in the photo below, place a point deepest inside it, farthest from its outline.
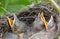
(15, 28)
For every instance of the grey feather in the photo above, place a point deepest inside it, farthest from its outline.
(38, 23)
(51, 23)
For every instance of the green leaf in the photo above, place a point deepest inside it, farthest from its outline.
(15, 8)
(23, 2)
(3, 6)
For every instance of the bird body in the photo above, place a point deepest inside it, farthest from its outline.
(18, 27)
(10, 36)
(49, 33)
(43, 35)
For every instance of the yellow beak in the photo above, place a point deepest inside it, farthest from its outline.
(44, 20)
(11, 22)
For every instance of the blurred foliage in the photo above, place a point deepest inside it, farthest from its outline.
(14, 6)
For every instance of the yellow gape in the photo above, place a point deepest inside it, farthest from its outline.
(11, 22)
(44, 20)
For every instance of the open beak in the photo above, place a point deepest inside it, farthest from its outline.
(44, 20)
(11, 22)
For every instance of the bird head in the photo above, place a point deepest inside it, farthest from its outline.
(50, 25)
(16, 25)
(38, 23)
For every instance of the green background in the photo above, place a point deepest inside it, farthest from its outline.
(14, 6)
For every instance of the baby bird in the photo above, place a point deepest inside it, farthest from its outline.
(52, 26)
(17, 26)
(50, 32)
(38, 24)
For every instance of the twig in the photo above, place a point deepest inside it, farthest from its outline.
(55, 6)
(28, 17)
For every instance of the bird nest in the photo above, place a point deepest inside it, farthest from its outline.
(29, 15)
